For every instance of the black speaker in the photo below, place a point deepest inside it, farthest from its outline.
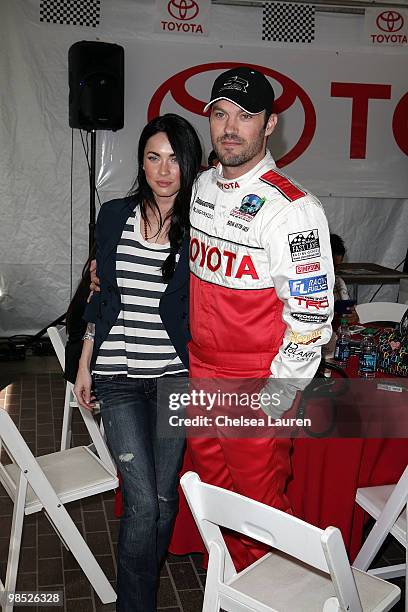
(96, 86)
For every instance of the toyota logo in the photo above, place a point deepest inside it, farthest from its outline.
(390, 21)
(185, 10)
(291, 92)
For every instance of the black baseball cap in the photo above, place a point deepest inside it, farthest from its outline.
(245, 87)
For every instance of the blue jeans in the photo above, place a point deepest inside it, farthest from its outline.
(149, 467)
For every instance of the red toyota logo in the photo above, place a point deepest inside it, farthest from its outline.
(390, 21)
(185, 10)
(291, 91)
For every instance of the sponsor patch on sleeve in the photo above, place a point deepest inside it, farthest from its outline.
(304, 245)
(308, 317)
(307, 268)
(308, 286)
(298, 353)
(309, 338)
(312, 303)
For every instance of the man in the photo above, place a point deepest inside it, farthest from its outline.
(343, 305)
(261, 287)
(338, 253)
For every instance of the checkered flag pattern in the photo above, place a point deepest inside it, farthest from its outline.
(71, 12)
(288, 22)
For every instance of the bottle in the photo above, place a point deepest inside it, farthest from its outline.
(367, 363)
(342, 350)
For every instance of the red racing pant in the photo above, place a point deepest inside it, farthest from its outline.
(257, 467)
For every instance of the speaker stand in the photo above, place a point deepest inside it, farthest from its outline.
(92, 189)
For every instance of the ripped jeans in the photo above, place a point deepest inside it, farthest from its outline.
(149, 467)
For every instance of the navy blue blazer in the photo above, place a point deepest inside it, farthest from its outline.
(104, 308)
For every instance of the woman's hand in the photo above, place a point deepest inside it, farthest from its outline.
(82, 389)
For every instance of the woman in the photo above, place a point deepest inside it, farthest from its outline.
(140, 335)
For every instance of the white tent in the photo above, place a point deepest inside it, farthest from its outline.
(351, 156)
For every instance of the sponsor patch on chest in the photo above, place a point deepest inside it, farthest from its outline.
(246, 212)
(203, 208)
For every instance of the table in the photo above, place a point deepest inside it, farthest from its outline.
(368, 274)
(327, 473)
(325, 476)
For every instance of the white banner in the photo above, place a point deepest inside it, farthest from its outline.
(386, 26)
(182, 17)
(342, 115)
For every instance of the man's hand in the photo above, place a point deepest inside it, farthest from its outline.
(277, 397)
(95, 283)
(352, 316)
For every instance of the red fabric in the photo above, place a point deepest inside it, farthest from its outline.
(285, 186)
(118, 499)
(327, 473)
(186, 537)
(244, 321)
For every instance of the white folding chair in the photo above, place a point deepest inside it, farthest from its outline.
(307, 570)
(58, 340)
(47, 483)
(388, 506)
(380, 311)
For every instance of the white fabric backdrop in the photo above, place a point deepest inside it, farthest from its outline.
(35, 156)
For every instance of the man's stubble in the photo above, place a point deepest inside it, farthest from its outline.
(250, 150)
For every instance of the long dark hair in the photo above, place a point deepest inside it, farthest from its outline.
(73, 317)
(187, 149)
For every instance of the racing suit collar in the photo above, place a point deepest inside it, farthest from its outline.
(240, 181)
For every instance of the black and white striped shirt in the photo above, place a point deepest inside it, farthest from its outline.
(138, 344)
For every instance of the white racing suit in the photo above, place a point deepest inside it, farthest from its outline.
(261, 303)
